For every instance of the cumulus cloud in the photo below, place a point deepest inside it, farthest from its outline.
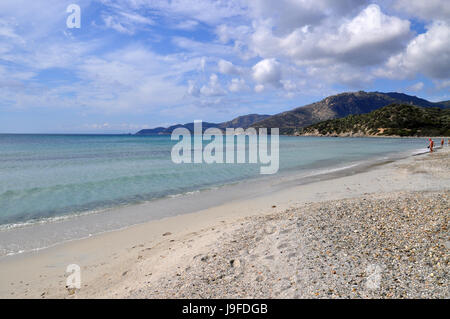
(229, 68)
(428, 10)
(213, 88)
(368, 38)
(428, 53)
(267, 71)
(238, 85)
(289, 15)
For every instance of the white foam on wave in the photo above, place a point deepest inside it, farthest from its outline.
(331, 170)
(55, 219)
(420, 151)
(48, 220)
(184, 194)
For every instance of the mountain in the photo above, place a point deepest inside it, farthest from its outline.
(241, 121)
(338, 106)
(168, 130)
(391, 120)
(445, 103)
(332, 107)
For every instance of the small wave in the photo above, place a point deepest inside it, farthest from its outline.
(184, 194)
(47, 220)
(15, 252)
(60, 218)
(331, 170)
(420, 151)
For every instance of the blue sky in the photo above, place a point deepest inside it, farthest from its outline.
(144, 63)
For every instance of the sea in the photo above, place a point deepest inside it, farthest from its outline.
(55, 188)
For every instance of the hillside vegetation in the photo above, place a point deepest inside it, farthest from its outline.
(391, 120)
(332, 107)
(339, 106)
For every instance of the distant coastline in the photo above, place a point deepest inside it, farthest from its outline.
(334, 107)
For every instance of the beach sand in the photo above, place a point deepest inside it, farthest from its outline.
(380, 233)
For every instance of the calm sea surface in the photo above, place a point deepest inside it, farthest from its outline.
(48, 176)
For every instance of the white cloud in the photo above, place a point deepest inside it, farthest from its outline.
(7, 31)
(213, 88)
(193, 89)
(289, 15)
(238, 85)
(226, 32)
(229, 68)
(111, 22)
(259, 88)
(367, 39)
(126, 22)
(442, 84)
(206, 11)
(267, 71)
(186, 25)
(428, 10)
(416, 87)
(428, 53)
(131, 79)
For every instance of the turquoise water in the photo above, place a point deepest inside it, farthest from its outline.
(45, 176)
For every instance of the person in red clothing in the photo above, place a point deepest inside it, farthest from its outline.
(442, 143)
(431, 145)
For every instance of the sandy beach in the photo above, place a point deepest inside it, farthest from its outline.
(381, 233)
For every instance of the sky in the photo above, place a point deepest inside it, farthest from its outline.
(135, 64)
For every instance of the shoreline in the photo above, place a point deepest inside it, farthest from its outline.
(370, 136)
(43, 234)
(115, 260)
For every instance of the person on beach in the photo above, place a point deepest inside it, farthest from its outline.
(430, 146)
(442, 143)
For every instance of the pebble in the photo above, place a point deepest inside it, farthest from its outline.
(353, 248)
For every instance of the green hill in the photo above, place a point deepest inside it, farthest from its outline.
(391, 120)
(338, 106)
(444, 103)
(332, 107)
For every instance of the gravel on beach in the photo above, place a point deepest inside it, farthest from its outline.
(377, 246)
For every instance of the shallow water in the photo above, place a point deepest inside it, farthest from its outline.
(44, 176)
(46, 179)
